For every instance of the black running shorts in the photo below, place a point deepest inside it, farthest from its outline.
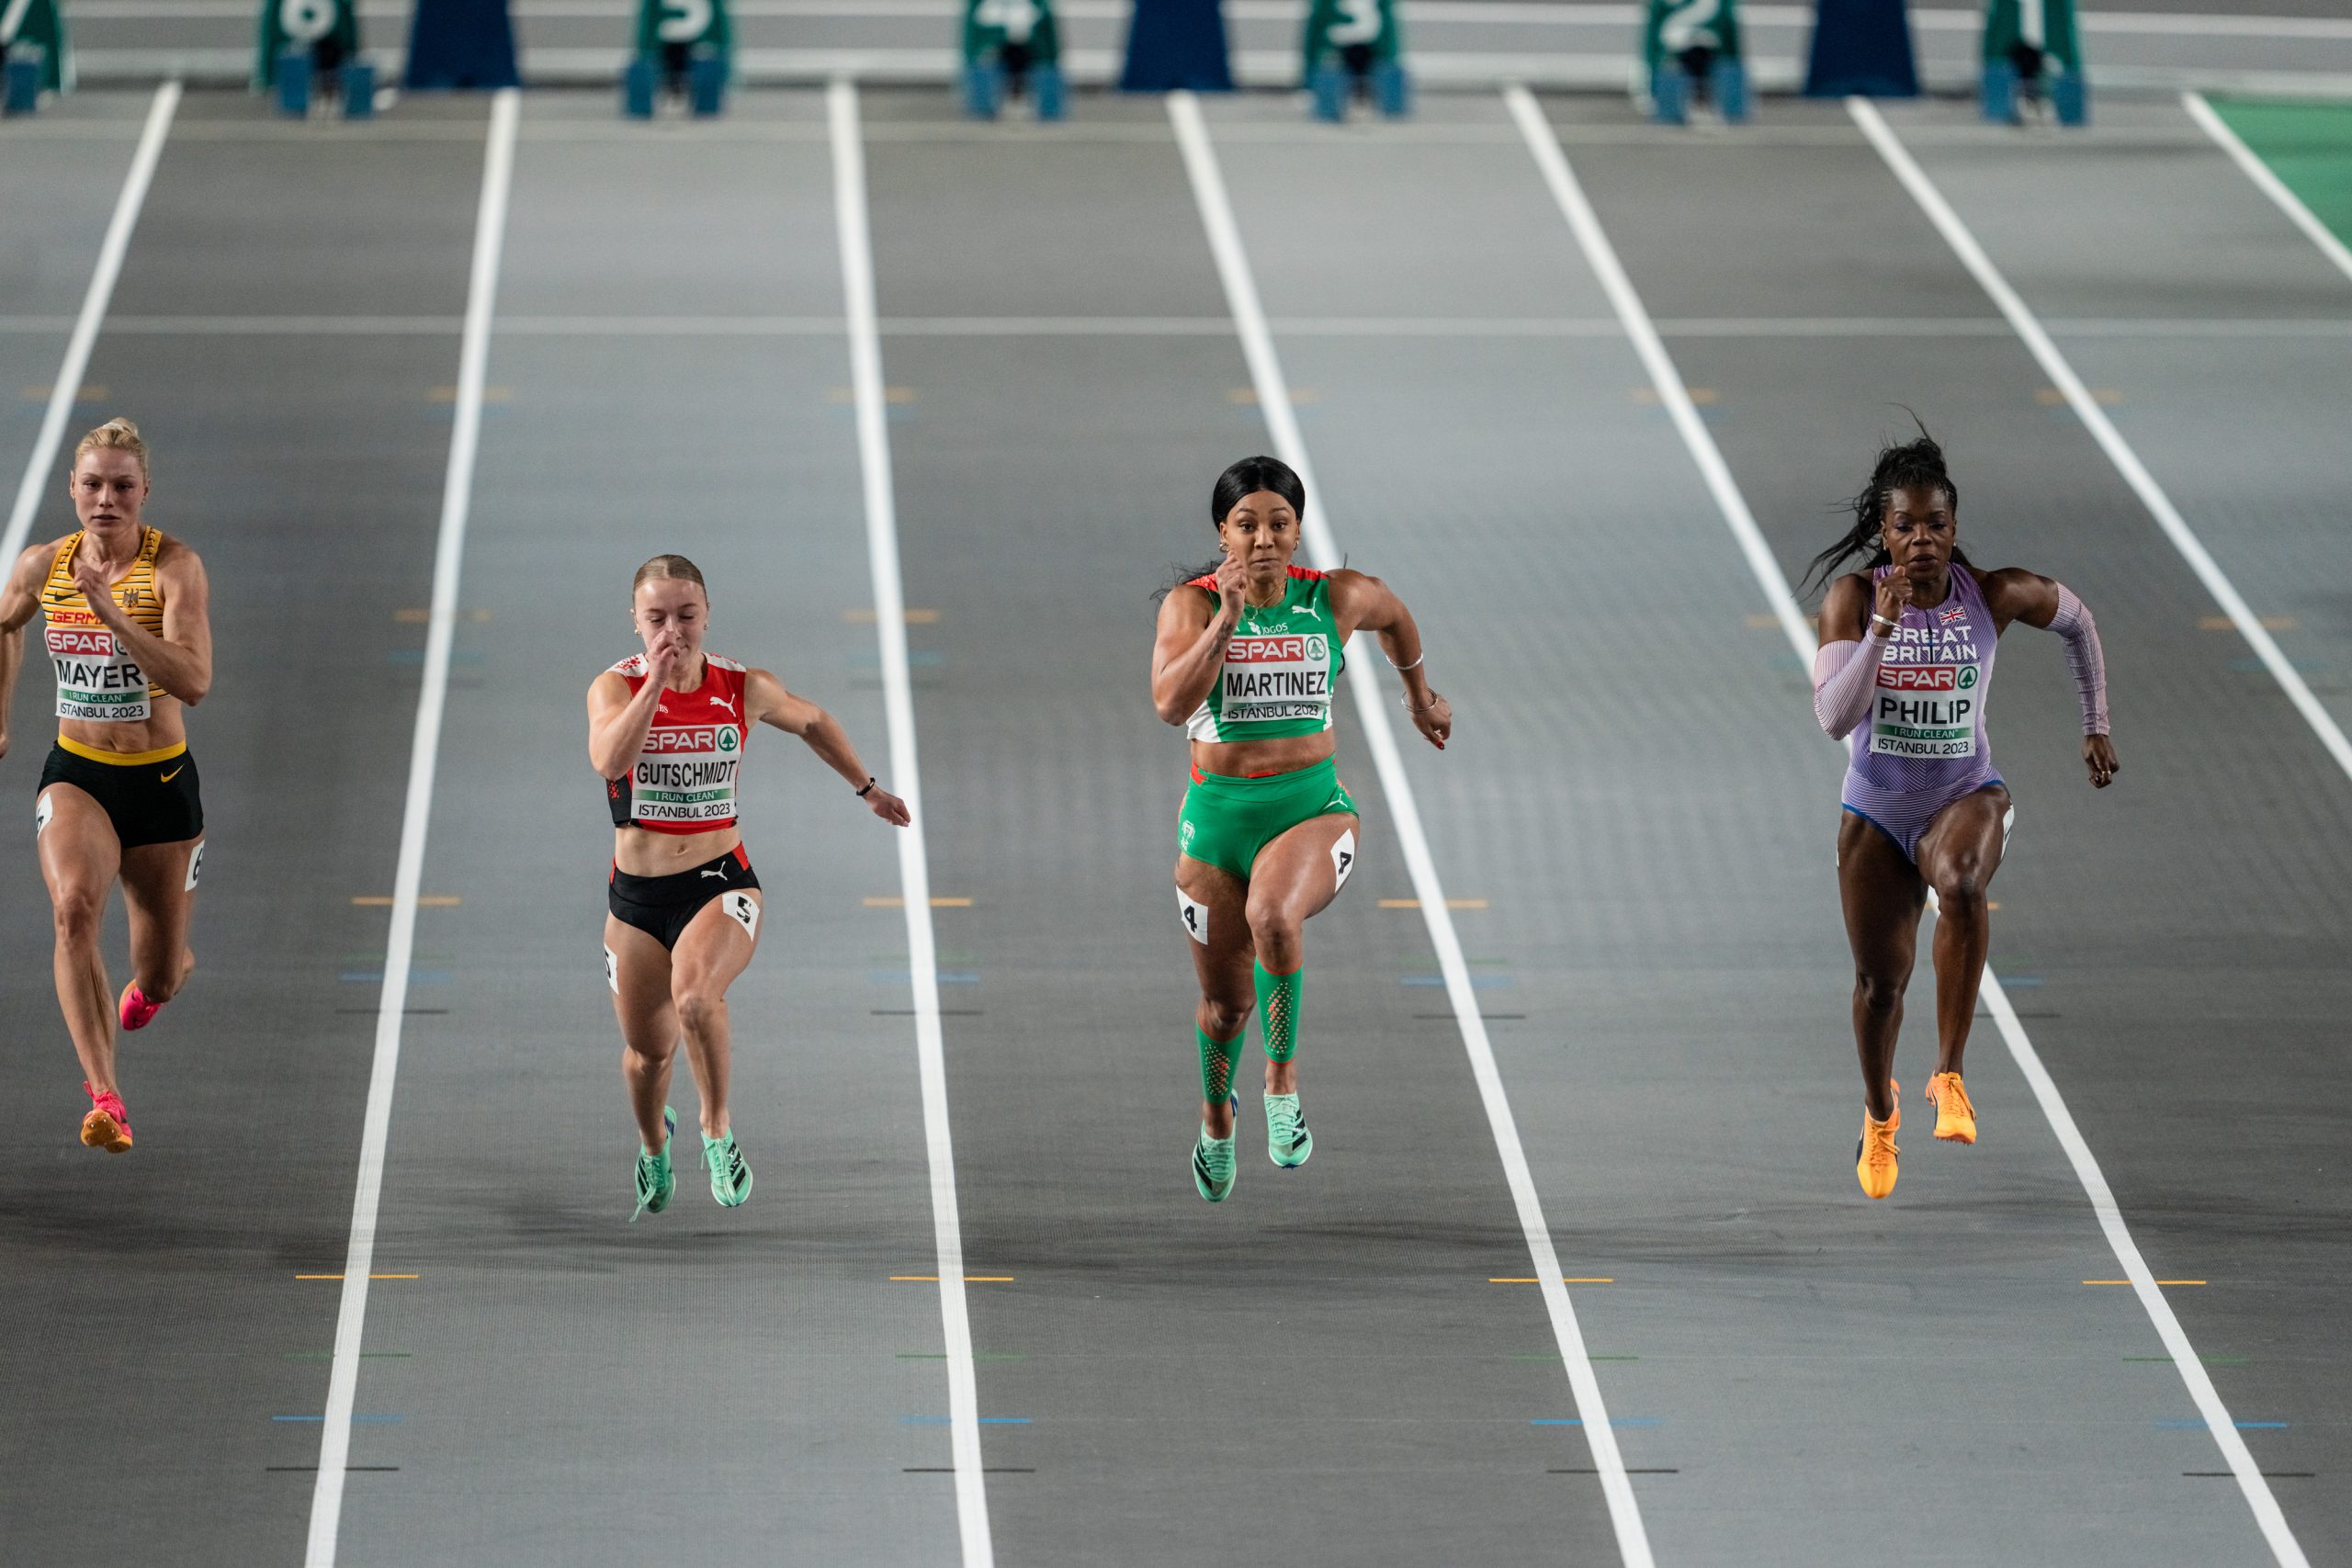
(152, 801)
(662, 906)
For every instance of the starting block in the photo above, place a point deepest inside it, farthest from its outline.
(2033, 54)
(1012, 48)
(308, 47)
(1694, 53)
(34, 55)
(685, 47)
(1354, 48)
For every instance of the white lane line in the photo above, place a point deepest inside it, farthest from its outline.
(1536, 132)
(1664, 375)
(425, 750)
(2119, 451)
(68, 386)
(2269, 183)
(914, 869)
(1281, 424)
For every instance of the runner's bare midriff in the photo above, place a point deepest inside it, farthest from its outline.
(1245, 759)
(641, 853)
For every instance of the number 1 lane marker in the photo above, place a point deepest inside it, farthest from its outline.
(85, 335)
(425, 750)
(1281, 424)
(914, 870)
(1602, 256)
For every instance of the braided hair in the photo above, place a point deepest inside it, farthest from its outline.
(1905, 463)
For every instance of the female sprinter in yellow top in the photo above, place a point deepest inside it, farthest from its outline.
(1247, 660)
(127, 627)
(666, 732)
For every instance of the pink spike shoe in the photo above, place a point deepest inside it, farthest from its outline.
(107, 1126)
(136, 1009)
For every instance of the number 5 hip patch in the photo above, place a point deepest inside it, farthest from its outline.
(744, 910)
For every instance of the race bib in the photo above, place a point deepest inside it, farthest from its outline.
(686, 774)
(97, 682)
(1927, 712)
(1273, 677)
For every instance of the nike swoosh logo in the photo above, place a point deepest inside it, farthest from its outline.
(174, 772)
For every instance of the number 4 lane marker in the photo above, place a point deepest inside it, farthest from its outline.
(1281, 424)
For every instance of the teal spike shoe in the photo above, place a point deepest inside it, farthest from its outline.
(1213, 1162)
(731, 1179)
(1288, 1143)
(655, 1180)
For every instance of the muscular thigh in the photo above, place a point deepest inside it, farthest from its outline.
(717, 942)
(1881, 894)
(1300, 871)
(638, 968)
(79, 851)
(1968, 836)
(1213, 904)
(159, 882)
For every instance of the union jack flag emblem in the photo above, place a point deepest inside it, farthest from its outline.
(1955, 613)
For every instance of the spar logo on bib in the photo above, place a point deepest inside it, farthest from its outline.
(723, 738)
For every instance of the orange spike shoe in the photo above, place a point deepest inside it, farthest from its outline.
(1955, 1118)
(1874, 1155)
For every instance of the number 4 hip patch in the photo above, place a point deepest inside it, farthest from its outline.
(744, 910)
(1195, 917)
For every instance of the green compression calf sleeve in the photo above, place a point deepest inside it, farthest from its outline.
(1278, 1009)
(1216, 1064)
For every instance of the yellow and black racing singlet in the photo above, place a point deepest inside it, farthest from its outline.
(98, 679)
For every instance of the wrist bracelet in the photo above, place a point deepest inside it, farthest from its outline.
(1400, 669)
(867, 790)
(1879, 620)
(1435, 698)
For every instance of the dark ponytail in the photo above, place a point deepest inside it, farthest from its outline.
(1908, 464)
(1244, 479)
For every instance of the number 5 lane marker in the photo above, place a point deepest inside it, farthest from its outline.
(425, 750)
(1602, 256)
(1282, 422)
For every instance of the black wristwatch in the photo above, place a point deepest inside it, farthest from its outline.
(867, 790)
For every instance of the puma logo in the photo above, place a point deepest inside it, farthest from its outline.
(174, 772)
(718, 871)
(1307, 610)
(726, 703)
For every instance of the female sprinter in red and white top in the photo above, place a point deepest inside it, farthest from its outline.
(666, 732)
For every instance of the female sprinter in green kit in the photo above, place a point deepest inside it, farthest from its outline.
(1247, 660)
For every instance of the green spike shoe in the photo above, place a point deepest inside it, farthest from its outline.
(1213, 1161)
(731, 1179)
(655, 1181)
(1288, 1143)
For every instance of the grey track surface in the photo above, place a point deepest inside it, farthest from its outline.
(1319, 1371)
(155, 1294)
